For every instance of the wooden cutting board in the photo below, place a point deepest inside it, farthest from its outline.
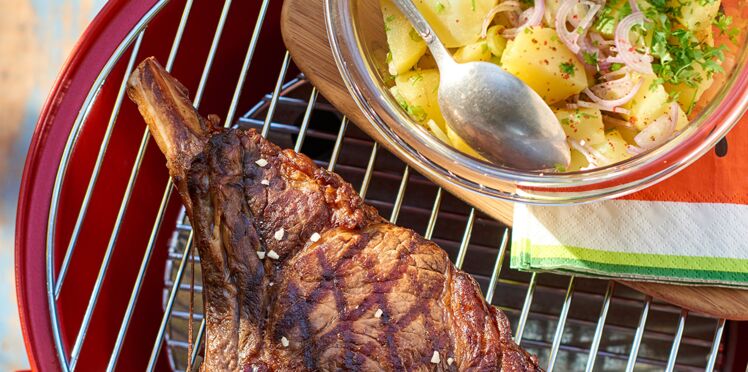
(305, 35)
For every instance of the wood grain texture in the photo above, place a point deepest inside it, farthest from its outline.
(303, 28)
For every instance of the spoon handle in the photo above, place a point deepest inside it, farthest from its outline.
(421, 25)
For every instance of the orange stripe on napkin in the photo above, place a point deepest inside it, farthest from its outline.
(711, 179)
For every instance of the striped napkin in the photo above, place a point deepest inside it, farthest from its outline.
(689, 229)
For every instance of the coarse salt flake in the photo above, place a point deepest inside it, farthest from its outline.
(265, 182)
(261, 254)
(435, 358)
(314, 237)
(379, 313)
(279, 234)
(261, 162)
(272, 254)
(450, 361)
(284, 341)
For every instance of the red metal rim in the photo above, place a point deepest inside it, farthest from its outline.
(76, 78)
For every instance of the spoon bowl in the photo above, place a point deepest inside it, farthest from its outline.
(494, 112)
(501, 117)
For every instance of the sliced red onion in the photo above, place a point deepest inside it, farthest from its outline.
(615, 59)
(659, 131)
(614, 102)
(597, 38)
(637, 61)
(614, 88)
(571, 38)
(613, 122)
(613, 74)
(506, 6)
(634, 150)
(593, 156)
(634, 6)
(531, 18)
(617, 110)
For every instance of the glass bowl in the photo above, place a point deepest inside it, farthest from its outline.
(356, 32)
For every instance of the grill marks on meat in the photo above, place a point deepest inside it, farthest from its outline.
(368, 295)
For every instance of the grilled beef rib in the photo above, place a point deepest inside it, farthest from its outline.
(298, 272)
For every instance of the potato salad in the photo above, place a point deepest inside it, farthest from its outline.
(622, 76)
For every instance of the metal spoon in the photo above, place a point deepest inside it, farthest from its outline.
(493, 111)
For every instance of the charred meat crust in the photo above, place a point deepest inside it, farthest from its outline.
(365, 295)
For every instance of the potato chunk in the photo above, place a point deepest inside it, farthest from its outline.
(649, 103)
(417, 93)
(578, 161)
(406, 46)
(496, 43)
(473, 52)
(688, 95)
(461, 145)
(613, 148)
(582, 124)
(537, 57)
(696, 14)
(456, 22)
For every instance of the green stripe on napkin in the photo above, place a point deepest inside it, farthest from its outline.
(654, 267)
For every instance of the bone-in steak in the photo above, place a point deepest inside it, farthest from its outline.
(298, 272)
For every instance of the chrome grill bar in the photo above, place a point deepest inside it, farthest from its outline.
(305, 121)
(434, 214)
(247, 61)
(169, 305)
(600, 326)
(338, 142)
(638, 336)
(212, 54)
(81, 214)
(561, 324)
(159, 215)
(367, 174)
(465, 239)
(525, 309)
(276, 94)
(712, 360)
(400, 195)
(676, 342)
(497, 265)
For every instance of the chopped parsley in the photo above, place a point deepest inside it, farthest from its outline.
(680, 58)
(439, 7)
(590, 58)
(616, 66)
(415, 112)
(473, 4)
(560, 168)
(415, 78)
(567, 68)
(610, 15)
(723, 22)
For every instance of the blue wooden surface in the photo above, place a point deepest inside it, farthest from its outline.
(35, 38)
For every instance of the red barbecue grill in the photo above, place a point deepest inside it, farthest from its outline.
(103, 266)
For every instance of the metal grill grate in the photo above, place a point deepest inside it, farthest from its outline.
(570, 323)
(476, 243)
